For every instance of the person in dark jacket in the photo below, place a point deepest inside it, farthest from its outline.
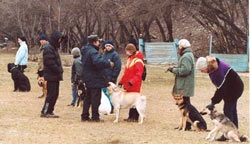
(111, 74)
(94, 77)
(76, 73)
(111, 55)
(53, 73)
(228, 83)
(43, 41)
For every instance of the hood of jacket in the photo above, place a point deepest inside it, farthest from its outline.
(55, 36)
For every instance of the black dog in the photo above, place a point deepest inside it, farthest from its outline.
(81, 92)
(21, 82)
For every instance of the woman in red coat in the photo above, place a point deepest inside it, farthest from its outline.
(132, 77)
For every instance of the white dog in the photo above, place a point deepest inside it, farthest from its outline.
(122, 99)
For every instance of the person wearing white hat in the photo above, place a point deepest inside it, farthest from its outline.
(229, 85)
(184, 73)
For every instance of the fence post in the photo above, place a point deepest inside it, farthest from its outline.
(210, 44)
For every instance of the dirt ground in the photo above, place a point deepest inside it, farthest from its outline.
(20, 120)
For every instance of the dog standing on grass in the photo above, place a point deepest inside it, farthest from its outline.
(223, 125)
(21, 82)
(189, 113)
(122, 99)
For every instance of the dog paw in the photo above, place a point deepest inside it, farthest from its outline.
(115, 121)
(207, 138)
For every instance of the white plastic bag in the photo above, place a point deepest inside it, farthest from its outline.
(105, 106)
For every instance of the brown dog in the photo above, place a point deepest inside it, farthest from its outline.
(42, 83)
(189, 114)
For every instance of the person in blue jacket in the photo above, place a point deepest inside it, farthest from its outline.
(94, 77)
(111, 74)
(112, 55)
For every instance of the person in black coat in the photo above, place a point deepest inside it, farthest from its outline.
(53, 73)
(94, 77)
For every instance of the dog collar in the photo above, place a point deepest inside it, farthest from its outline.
(12, 68)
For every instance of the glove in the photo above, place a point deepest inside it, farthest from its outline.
(170, 69)
(113, 80)
(130, 84)
(40, 73)
(210, 106)
(119, 85)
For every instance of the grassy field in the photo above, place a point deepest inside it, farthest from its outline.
(20, 120)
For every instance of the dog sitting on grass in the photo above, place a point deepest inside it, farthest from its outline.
(189, 114)
(224, 125)
(21, 82)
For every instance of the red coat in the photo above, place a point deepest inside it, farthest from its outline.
(133, 73)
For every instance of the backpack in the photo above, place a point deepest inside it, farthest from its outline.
(144, 74)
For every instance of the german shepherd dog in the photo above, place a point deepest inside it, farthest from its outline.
(189, 114)
(21, 82)
(81, 92)
(223, 125)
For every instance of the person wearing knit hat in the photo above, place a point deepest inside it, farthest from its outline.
(76, 74)
(132, 77)
(43, 41)
(111, 74)
(229, 86)
(201, 63)
(184, 73)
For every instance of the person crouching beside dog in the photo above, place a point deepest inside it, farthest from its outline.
(41, 82)
(184, 73)
(22, 54)
(132, 77)
(76, 74)
(229, 85)
(53, 74)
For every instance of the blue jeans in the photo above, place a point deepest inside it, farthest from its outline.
(74, 94)
(230, 110)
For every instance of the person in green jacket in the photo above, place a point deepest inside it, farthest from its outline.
(184, 73)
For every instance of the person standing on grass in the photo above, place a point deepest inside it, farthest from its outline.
(133, 113)
(111, 74)
(53, 73)
(76, 74)
(229, 86)
(22, 54)
(43, 41)
(184, 73)
(132, 77)
(94, 77)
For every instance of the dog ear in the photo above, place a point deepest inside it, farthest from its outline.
(115, 88)
(181, 94)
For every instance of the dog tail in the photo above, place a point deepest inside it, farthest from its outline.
(244, 138)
